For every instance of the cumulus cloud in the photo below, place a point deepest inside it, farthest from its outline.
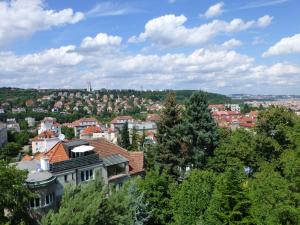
(214, 10)
(286, 45)
(232, 43)
(102, 41)
(22, 18)
(169, 30)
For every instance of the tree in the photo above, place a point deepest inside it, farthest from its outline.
(82, 204)
(23, 125)
(22, 138)
(272, 201)
(191, 198)
(134, 140)
(238, 148)
(168, 151)
(10, 150)
(125, 141)
(142, 140)
(198, 130)
(156, 189)
(229, 203)
(14, 195)
(68, 132)
(275, 122)
(245, 109)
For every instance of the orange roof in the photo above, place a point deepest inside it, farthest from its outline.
(91, 130)
(153, 117)
(106, 148)
(45, 134)
(56, 154)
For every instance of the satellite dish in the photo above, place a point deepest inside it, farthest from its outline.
(61, 137)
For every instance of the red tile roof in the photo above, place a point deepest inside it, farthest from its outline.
(45, 134)
(153, 117)
(56, 154)
(91, 130)
(106, 148)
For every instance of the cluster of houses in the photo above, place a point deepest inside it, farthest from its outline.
(229, 116)
(91, 103)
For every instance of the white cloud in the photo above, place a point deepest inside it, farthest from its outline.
(263, 3)
(111, 9)
(286, 45)
(100, 42)
(22, 18)
(214, 10)
(264, 21)
(232, 43)
(169, 30)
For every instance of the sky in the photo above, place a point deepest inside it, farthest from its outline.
(229, 46)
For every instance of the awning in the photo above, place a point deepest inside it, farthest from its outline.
(83, 148)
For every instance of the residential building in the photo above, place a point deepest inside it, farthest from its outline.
(3, 134)
(12, 125)
(18, 110)
(44, 141)
(76, 162)
(30, 121)
(80, 124)
(142, 126)
(2, 111)
(49, 124)
(95, 132)
(119, 121)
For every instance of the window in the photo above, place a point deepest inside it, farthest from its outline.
(49, 199)
(66, 178)
(116, 169)
(35, 203)
(86, 175)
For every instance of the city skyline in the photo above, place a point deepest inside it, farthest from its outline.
(218, 46)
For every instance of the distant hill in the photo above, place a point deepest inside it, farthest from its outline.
(19, 95)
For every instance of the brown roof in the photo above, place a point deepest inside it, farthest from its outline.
(153, 117)
(106, 148)
(56, 154)
(45, 134)
(91, 130)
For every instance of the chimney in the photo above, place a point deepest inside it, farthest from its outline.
(45, 163)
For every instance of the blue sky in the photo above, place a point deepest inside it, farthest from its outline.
(235, 46)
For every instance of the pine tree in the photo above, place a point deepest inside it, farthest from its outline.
(168, 155)
(199, 131)
(134, 140)
(125, 142)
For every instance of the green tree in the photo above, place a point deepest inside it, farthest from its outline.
(229, 203)
(191, 198)
(14, 195)
(10, 150)
(82, 204)
(156, 189)
(22, 138)
(125, 140)
(198, 130)
(68, 132)
(23, 125)
(272, 201)
(168, 153)
(134, 140)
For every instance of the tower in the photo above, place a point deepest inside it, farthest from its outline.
(89, 86)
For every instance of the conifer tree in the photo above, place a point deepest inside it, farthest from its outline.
(199, 131)
(134, 140)
(125, 142)
(168, 155)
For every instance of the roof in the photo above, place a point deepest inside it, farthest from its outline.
(74, 143)
(114, 159)
(57, 153)
(106, 148)
(115, 120)
(45, 134)
(153, 117)
(75, 163)
(91, 130)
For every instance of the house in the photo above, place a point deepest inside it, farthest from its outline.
(12, 125)
(49, 124)
(2, 111)
(80, 124)
(119, 121)
(76, 162)
(3, 134)
(94, 132)
(233, 107)
(18, 110)
(217, 107)
(44, 141)
(142, 126)
(153, 117)
(30, 121)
